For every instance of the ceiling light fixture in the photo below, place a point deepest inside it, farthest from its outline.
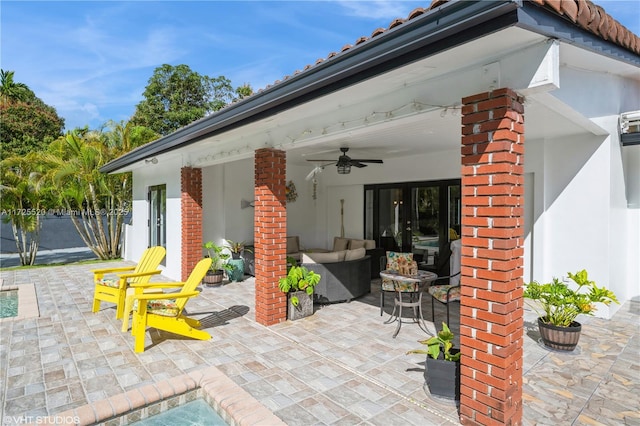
(344, 168)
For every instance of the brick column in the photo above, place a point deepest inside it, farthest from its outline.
(270, 230)
(491, 321)
(191, 211)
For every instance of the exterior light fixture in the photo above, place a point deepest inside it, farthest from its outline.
(153, 160)
(630, 128)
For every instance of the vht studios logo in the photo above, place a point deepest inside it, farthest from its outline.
(41, 420)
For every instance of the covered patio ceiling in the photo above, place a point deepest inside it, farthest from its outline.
(412, 109)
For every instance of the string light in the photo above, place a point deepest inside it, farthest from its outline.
(307, 134)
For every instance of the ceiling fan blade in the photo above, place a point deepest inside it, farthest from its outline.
(343, 161)
(367, 161)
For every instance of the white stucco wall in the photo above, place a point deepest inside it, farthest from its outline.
(581, 220)
(583, 195)
(166, 172)
(213, 205)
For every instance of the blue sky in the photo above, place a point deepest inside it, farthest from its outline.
(91, 60)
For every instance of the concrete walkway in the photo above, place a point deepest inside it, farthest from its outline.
(338, 367)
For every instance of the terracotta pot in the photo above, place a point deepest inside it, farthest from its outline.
(560, 338)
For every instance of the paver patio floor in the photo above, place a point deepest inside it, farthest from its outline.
(338, 367)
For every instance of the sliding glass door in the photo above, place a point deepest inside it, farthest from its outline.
(417, 217)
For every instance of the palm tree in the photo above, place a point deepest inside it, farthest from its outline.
(24, 197)
(99, 202)
(74, 162)
(10, 91)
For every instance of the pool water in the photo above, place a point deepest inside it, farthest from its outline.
(194, 413)
(8, 303)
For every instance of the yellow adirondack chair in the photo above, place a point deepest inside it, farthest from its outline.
(164, 311)
(115, 290)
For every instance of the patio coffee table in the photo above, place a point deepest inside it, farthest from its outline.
(412, 287)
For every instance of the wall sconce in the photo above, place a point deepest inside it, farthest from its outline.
(153, 160)
(244, 204)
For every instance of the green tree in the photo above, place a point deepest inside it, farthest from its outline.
(24, 196)
(125, 135)
(99, 202)
(244, 91)
(10, 91)
(26, 123)
(177, 96)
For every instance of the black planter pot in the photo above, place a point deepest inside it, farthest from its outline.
(443, 377)
(560, 338)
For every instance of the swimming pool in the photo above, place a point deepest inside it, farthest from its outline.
(194, 413)
(8, 303)
(18, 302)
(234, 404)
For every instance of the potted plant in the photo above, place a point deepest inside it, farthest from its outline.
(218, 265)
(237, 250)
(299, 284)
(558, 305)
(442, 367)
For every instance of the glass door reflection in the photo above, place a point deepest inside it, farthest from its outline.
(425, 220)
(418, 217)
(391, 218)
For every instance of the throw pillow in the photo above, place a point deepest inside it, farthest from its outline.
(340, 244)
(395, 260)
(358, 253)
(369, 244)
(355, 244)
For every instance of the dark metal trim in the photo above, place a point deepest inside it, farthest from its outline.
(629, 139)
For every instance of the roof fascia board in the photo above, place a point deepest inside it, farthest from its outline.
(539, 20)
(440, 29)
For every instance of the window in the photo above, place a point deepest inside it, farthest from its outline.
(157, 215)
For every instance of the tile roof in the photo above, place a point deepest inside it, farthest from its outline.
(581, 13)
(594, 19)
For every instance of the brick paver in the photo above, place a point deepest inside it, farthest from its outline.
(339, 366)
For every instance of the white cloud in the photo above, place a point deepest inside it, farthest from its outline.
(381, 9)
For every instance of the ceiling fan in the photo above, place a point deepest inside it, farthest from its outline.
(344, 162)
